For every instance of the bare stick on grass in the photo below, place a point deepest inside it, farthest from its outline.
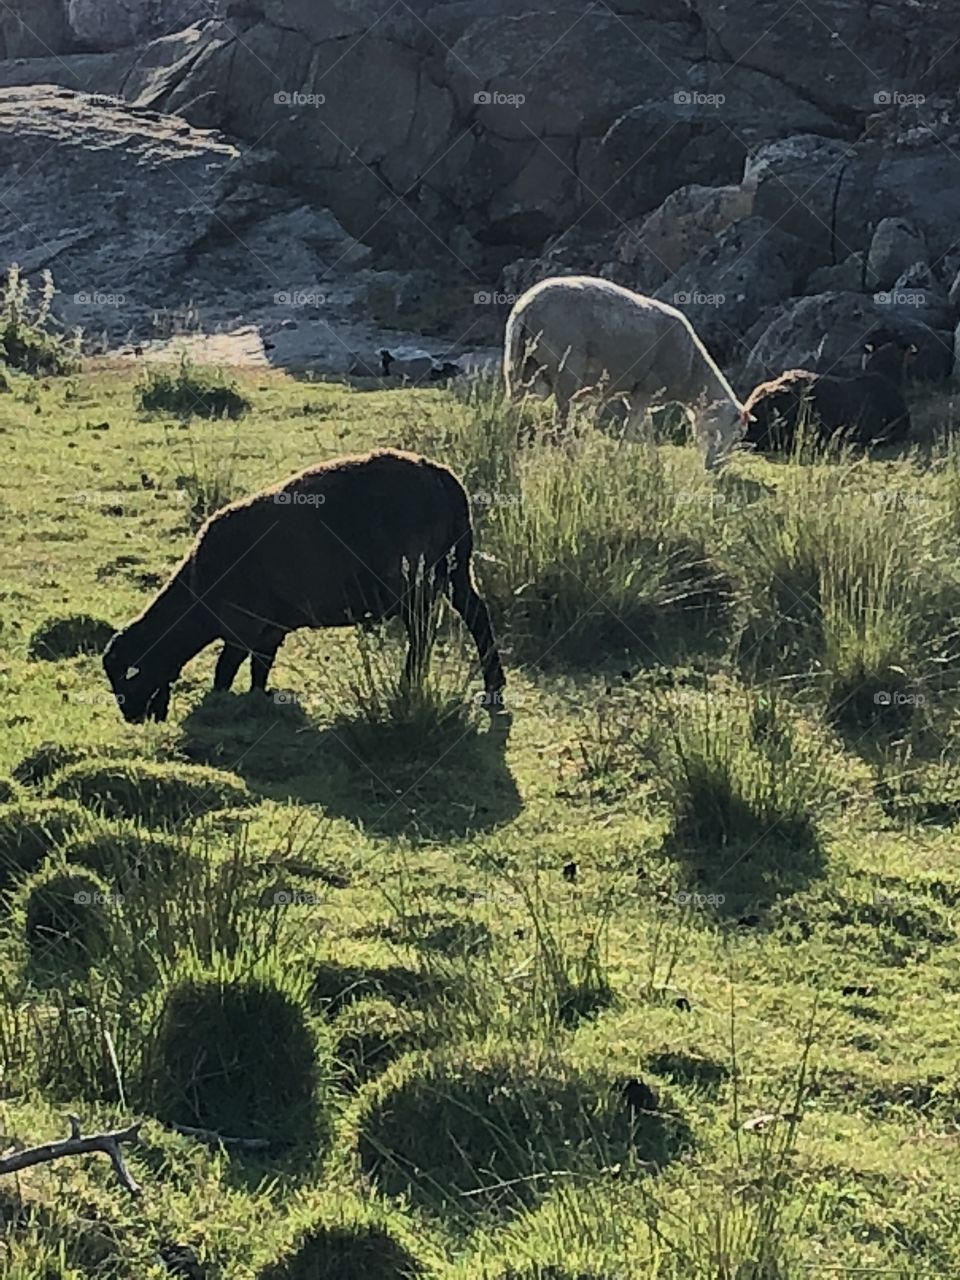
(77, 1145)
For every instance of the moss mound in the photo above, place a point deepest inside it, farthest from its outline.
(28, 832)
(235, 1055)
(46, 760)
(486, 1136)
(156, 794)
(68, 917)
(126, 856)
(344, 1253)
(69, 637)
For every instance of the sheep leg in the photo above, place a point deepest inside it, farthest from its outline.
(473, 611)
(228, 664)
(263, 658)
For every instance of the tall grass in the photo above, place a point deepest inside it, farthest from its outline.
(588, 544)
(29, 340)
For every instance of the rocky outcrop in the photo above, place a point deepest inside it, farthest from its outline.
(686, 147)
(825, 333)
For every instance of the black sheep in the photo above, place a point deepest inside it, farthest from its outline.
(869, 406)
(335, 545)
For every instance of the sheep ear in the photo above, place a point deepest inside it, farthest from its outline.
(132, 673)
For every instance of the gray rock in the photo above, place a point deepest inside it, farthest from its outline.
(116, 24)
(895, 246)
(918, 293)
(826, 333)
(847, 276)
(742, 269)
(815, 189)
(686, 221)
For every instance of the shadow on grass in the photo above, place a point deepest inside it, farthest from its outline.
(736, 877)
(390, 781)
(683, 612)
(469, 1141)
(336, 986)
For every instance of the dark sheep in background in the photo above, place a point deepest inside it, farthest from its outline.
(869, 406)
(336, 545)
(417, 369)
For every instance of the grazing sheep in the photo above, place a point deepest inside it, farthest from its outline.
(573, 333)
(868, 405)
(334, 545)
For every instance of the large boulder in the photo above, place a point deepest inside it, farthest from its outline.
(895, 246)
(115, 24)
(742, 269)
(826, 332)
(840, 54)
(34, 28)
(700, 130)
(685, 222)
(817, 190)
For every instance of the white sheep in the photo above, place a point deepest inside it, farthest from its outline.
(578, 335)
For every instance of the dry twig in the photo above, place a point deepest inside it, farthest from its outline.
(78, 1145)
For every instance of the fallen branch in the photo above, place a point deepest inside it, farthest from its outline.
(77, 1145)
(213, 1139)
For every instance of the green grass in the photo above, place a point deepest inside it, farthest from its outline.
(503, 1000)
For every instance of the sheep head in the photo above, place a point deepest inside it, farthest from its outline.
(721, 427)
(138, 677)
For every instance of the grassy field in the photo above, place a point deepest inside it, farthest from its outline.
(654, 978)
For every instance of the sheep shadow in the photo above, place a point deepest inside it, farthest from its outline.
(391, 783)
